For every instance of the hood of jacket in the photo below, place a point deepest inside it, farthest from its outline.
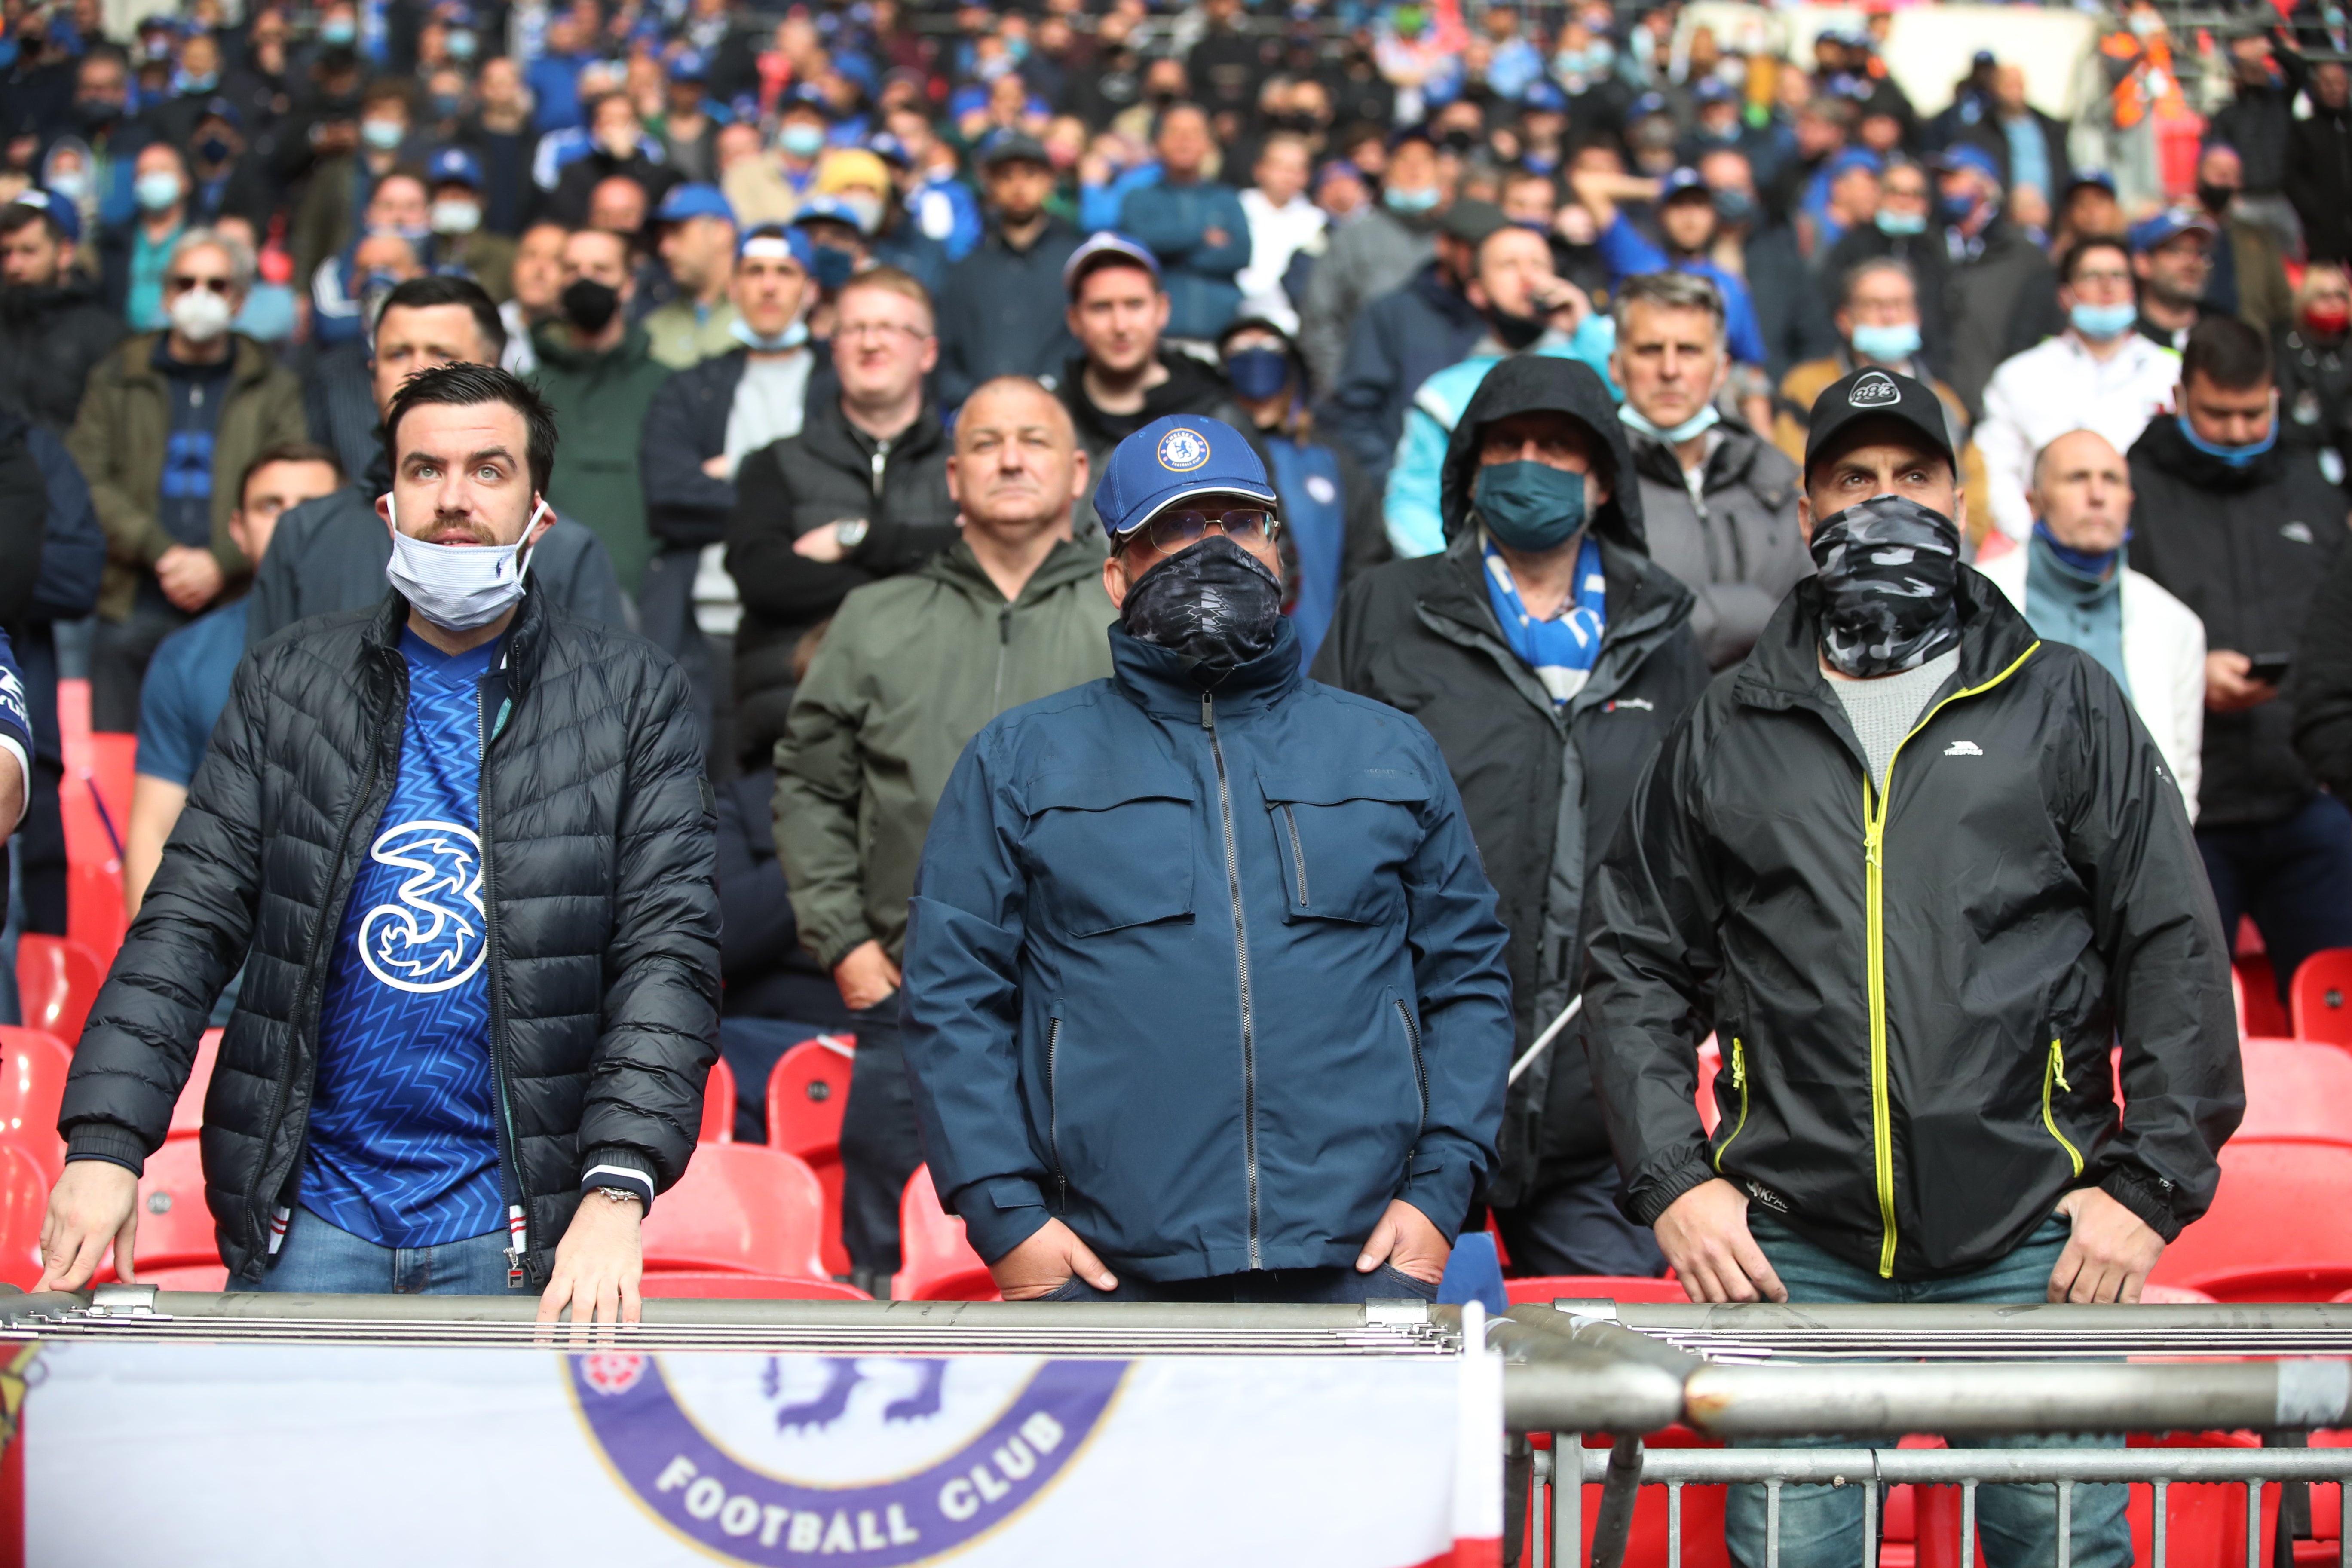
(1192, 387)
(2163, 447)
(1526, 383)
(1066, 562)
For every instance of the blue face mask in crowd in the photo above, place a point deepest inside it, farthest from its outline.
(1735, 206)
(1530, 506)
(155, 190)
(1408, 201)
(213, 150)
(1900, 224)
(1707, 417)
(801, 141)
(2101, 323)
(1957, 207)
(792, 337)
(832, 267)
(1258, 373)
(382, 136)
(338, 32)
(1886, 344)
(2236, 456)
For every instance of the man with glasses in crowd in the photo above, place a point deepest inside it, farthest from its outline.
(1204, 986)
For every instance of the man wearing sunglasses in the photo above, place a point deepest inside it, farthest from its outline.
(1205, 990)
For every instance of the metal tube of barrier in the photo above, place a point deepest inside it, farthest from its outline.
(1966, 1467)
(1568, 1491)
(1620, 1486)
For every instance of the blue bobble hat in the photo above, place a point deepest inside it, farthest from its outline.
(1173, 459)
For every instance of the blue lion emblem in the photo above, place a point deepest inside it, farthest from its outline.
(431, 938)
(842, 1376)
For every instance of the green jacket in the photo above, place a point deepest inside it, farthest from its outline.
(117, 441)
(601, 398)
(909, 670)
(681, 340)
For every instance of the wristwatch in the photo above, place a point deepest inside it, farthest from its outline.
(850, 532)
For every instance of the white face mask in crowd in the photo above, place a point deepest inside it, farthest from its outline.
(200, 315)
(458, 587)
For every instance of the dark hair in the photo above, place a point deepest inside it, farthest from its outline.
(469, 387)
(2227, 352)
(287, 452)
(434, 288)
(17, 215)
(2070, 260)
(387, 89)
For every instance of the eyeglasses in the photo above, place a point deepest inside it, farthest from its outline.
(1173, 531)
(181, 285)
(853, 331)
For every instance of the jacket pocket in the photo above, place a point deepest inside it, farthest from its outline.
(1343, 839)
(1112, 847)
(2054, 1082)
(1734, 1107)
(1054, 1025)
(1412, 1027)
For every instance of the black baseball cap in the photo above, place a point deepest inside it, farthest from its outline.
(1874, 394)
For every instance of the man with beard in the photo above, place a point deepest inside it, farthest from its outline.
(1270, 1070)
(53, 326)
(1001, 311)
(1908, 865)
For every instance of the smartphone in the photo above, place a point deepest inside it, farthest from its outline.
(2271, 667)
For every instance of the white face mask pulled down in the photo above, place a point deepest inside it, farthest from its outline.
(458, 587)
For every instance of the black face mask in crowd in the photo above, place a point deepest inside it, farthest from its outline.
(1890, 574)
(1515, 332)
(1214, 602)
(589, 305)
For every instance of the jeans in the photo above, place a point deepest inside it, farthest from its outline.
(1312, 1287)
(880, 1146)
(1569, 1224)
(1821, 1527)
(2292, 876)
(118, 659)
(320, 1258)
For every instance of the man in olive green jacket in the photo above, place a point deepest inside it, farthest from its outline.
(909, 670)
(169, 422)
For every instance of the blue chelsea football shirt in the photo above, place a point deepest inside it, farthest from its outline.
(403, 1136)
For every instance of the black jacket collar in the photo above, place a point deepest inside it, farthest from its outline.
(1784, 668)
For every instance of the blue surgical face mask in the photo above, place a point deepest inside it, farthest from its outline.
(1405, 201)
(1258, 373)
(1886, 345)
(1899, 224)
(792, 337)
(833, 267)
(801, 140)
(1707, 417)
(2102, 322)
(155, 190)
(268, 313)
(461, 45)
(1956, 208)
(1530, 506)
(382, 136)
(2236, 456)
(1735, 206)
(338, 30)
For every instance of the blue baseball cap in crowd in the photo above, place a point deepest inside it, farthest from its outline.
(2081, 177)
(1680, 183)
(1712, 89)
(694, 199)
(828, 209)
(1543, 96)
(776, 242)
(453, 166)
(2168, 226)
(1646, 105)
(61, 211)
(807, 95)
(222, 109)
(1964, 156)
(886, 145)
(1854, 158)
(1107, 247)
(1171, 460)
(691, 65)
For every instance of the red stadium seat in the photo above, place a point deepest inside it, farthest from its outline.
(746, 1288)
(718, 1104)
(1543, 1290)
(188, 1111)
(57, 979)
(937, 1264)
(95, 803)
(2296, 1090)
(738, 1209)
(2278, 1230)
(2261, 1013)
(175, 1229)
(807, 1092)
(23, 1201)
(33, 1067)
(2319, 997)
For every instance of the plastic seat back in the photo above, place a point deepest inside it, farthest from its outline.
(188, 1111)
(24, 1202)
(175, 1226)
(1543, 1290)
(936, 1263)
(2299, 1089)
(807, 1093)
(738, 1209)
(33, 1067)
(718, 1104)
(95, 803)
(2278, 1230)
(2319, 997)
(715, 1286)
(58, 979)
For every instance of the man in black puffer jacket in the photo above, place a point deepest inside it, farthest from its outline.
(1545, 760)
(462, 846)
(2243, 527)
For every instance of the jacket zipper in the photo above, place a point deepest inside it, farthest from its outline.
(1420, 1074)
(1297, 852)
(1053, 1107)
(1241, 963)
(881, 463)
(1739, 1082)
(510, 1153)
(1874, 849)
(2054, 1074)
(1003, 650)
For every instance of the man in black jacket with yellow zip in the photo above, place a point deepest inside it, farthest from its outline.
(461, 846)
(1917, 872)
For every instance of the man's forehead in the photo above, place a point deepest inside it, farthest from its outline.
(405, 326)
(451, 429)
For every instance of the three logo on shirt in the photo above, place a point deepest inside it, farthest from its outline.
(433, 938)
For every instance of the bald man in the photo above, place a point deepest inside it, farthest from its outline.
(909, 671)
(2071, 582)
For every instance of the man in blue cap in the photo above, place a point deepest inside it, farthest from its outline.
(461, 246)
(2000, 291)
(696, 229)
(2172, 261)
(1687, 226)
(1204, 986)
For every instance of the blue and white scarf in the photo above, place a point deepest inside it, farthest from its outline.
(1560, 651)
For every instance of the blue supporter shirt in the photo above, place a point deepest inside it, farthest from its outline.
(186, 688)
(403, 1141)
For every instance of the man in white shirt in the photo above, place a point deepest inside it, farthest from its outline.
(2099, 374)
(1282, 223)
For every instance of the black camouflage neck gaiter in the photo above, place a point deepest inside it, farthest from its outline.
(1889, 568)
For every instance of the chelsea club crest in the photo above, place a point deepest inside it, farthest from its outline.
(1184, 450)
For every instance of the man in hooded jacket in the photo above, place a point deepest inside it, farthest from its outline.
(1544, 753)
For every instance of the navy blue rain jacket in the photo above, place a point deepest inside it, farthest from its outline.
(1212, 996)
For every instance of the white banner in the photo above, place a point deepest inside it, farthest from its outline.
(143, 1453)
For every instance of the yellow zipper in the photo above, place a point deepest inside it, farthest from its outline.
(1739, 1082)
(1874, 845)
(2055, 1072)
